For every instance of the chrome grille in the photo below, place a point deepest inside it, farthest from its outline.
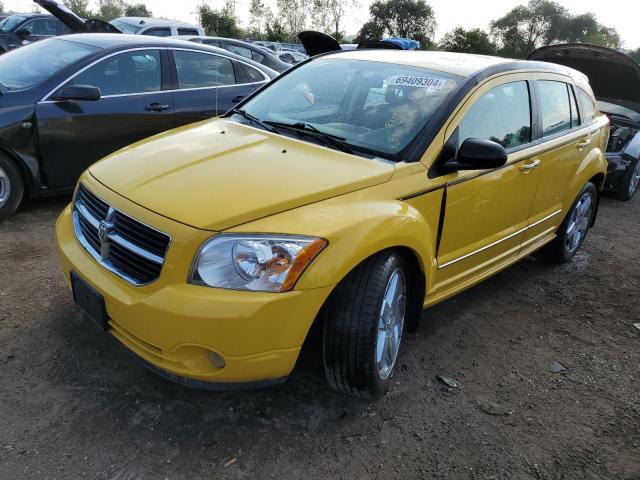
(123, 245)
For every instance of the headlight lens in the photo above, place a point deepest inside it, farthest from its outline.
(269, 263)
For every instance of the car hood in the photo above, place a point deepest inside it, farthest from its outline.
(73, 21)
(316, 43)
(612, 74)
(218, 174)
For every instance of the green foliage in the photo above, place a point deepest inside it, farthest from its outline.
(328, 14)
(275, 31)
(257, 20)
(468, 41)
(585, 28)
(80, 8)
(110, 9)
(635, 54)
(413, 19)
(219, 22)
(137, 10)
(293, 15)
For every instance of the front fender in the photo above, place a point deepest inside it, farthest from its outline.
(357, 228)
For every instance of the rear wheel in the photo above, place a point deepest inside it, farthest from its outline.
(363, 326)
(631, 182)
(11, 187)
(573, 230)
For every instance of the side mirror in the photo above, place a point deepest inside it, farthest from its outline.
(23, 33)
(476, 154)
(85, 93)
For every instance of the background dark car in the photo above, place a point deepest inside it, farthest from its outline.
(21, 29)
(245, 49)
(615, 80)
(68, 101)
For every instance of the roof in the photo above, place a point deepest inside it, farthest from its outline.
(27, 15)
(154, 22)
(462, 64)
(109, 40)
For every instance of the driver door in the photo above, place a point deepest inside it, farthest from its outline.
(74, 134)
(487, 211)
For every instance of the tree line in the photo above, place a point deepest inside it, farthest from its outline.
(108, 9)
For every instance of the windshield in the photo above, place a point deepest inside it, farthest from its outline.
(125, 27)
(10, 23)
(32, 64)
(377, 108)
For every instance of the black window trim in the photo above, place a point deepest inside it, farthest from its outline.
(593, 102)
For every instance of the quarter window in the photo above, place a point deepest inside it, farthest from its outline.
(502, 115)
(587, 107)
(126, 73)
(555, 107)
(198, 70)
(257, 56)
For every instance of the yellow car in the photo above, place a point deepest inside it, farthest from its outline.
(350, 193)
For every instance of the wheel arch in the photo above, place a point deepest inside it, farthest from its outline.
(22, 167)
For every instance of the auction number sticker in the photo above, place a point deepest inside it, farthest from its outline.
(422, 82)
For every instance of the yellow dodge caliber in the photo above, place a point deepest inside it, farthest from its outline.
(351, 192)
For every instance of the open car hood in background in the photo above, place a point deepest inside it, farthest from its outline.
(316, 43)
(73, 21)
(612, 75)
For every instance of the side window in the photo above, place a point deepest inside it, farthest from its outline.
(502, 115)
(198, 70)
(554, 106)
(213, 43)
(158, 32)
(253, 74)
(587, 107)
(575, 118)
(41, 26)
(187, 31)
(257, 56)
(62, 29)
(242, 51)
(126, 73)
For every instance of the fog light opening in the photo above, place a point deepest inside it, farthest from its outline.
(216, 359)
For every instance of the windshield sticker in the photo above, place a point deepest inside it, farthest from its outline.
(422, 82)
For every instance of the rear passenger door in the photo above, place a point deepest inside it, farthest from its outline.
(564, 142)
(208, 84)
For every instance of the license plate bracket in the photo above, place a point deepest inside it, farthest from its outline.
(90, 301)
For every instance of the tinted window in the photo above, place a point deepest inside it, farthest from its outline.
(575, 118)
(32, 64)
(253, 74)
(587, 107)
(257, 56)
(10, 23)
(502, 115)
(554, 106)
(126, 73)
(125, 27)
(197, 70)
(41, 26)
(215, 43)
(158, 32)
(238, 50)
(187, 31)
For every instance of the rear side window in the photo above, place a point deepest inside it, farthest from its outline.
(502, 115)
(187, 31)
(587, 107)
(238, 50)
(158, 32)
(554, 106)
(124, 74)
(257, 56)
(200, 70)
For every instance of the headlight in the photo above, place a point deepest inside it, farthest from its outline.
(268, 263)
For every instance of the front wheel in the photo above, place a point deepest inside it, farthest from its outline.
(364, 322)
(11, 187)
(575, 226)
(631, 182)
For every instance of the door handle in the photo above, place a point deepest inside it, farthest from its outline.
(583, 144)
(156, 107)
(236, 99)
(526, 168)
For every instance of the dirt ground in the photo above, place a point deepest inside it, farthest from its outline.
(74, 404)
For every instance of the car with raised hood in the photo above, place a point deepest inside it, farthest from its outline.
(22, 29)
(615, 80)
(341, 198)
(68, 101)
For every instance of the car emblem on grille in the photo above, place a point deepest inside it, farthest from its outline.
(105, 228)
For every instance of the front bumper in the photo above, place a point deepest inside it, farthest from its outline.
(174, 327)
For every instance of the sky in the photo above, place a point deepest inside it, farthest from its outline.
(623, 15)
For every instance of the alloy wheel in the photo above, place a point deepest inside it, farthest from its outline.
(391, 324)
(5, 187)
(579, 222)
(635, 180)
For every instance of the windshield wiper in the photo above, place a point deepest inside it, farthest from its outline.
(309, 129)
(256, 120)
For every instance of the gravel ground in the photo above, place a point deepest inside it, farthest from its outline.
(74, 404)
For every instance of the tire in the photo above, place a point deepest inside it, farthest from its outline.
(574, 228)
(631, 182)
(354, 327)
(11, 187)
